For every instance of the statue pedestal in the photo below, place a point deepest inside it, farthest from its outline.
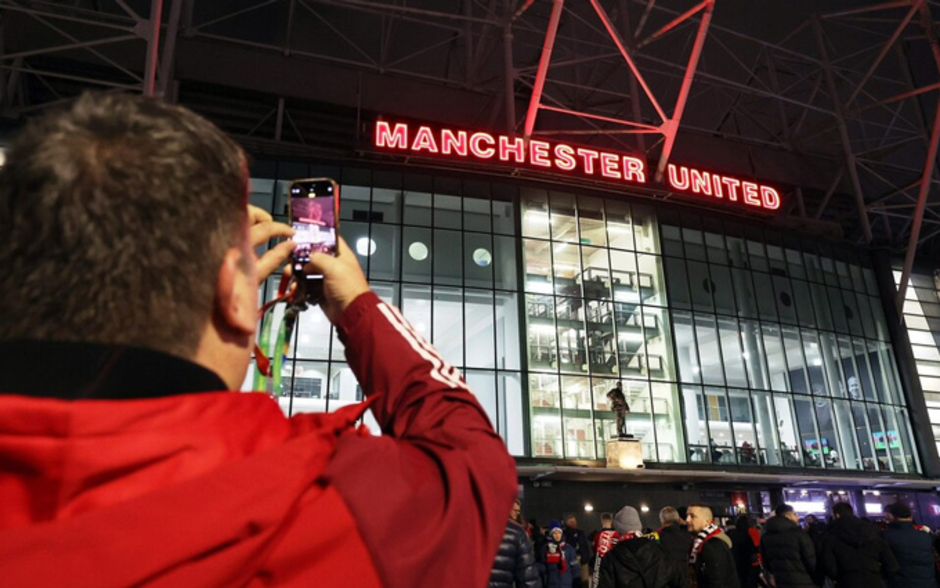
(625, 453)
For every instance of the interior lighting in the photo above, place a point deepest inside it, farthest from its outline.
(644, 508)
(418, 251)
(538, 287)
(876, 492)
(365, 246)
(630, 336)
(482, 257)
(588, 507)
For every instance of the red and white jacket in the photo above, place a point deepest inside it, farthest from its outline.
(220, 489)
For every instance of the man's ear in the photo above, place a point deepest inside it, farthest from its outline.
(236, 292)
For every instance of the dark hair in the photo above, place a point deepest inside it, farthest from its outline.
(743, 522)
(607, 516)
(782, 509)
(899, 510)
(118, 211)
(842, 509)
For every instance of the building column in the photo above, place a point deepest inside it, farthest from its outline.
(907, 367)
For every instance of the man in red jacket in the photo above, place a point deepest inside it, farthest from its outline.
(129, 303)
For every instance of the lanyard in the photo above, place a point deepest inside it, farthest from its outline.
(270, 369)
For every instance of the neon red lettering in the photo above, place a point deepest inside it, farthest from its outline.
(609, 166)
(538, 153)
(673, 175)
(588, 156)
(451, 143)
(749, 190)
(701, 181)
(716, 186)
(633, 170)
(732, 185)
(424, 139)
(516, 147)
(386, 137)
(564, 157)
(770, 198)
(476, 139)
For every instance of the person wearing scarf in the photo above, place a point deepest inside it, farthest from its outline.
(711, 564)
(637, 560)
(559, 563)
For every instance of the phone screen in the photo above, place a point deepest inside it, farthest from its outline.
(313, 215)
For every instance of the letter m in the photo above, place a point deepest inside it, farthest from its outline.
(387, 137)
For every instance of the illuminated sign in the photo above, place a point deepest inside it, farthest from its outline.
(489, 148)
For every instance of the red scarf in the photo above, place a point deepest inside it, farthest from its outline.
(557, 558)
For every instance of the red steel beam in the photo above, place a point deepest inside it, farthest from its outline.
(547, 46)
(671, 126)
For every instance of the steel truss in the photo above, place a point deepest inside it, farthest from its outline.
(839, 108)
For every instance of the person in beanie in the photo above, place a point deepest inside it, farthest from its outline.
(710, 562)
(912, 548)
(559, 563)
(788, 552)
(637, 561)
(854, 554)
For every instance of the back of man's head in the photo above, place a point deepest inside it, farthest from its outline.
(842, 510)
(899, 511)
(627, 520)
(669, 516)
(783, 510)
(117, 212)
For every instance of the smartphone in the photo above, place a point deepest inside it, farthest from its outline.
(314, 216)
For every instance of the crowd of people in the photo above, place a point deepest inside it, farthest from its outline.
(690, 550)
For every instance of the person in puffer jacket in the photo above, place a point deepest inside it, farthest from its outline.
(854, 555)
(638, 561)
(559, 564)
(912, 547)
(514, 566)
(788, 552)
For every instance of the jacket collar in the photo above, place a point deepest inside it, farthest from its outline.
(76, 371)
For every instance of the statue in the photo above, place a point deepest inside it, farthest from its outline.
(618, 404)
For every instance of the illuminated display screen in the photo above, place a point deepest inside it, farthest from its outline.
(479, 146)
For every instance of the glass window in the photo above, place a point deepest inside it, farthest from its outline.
(851, 457)
(483, 385)
(416, 257)
(545, 403)
(744, 293)
(791, 453)
(447, 212)
(715, 244)
(786, 304)
(578, 418)
(480, 328)
(795, 264)
(672, 241)
(724, 290)
(694, 242)
(864, 438)
(757, 256)
(837, 305)
(563, 217)
(478, 260)
(386, 205)
(678, 283)
(344, 388)
(796, 364)
(310, 382)
(709, 350)
(829, 443)
(701, 286)
(507, 330)
(538, 266)
(721, 441)
(802, 298)
(667, 420)
(566, 267)
(416, 307)
(417, 210)
(646, 229)
(602, 346)
(595, 278)
(535, 213)
(511, 423)
(686, 349)
(448, 268)
(732, 354)
(569, 321)
(776, 358)
(384, 263)
(659, 362)
(313, 335)
(504, 263)
(650, 279)
(476, 215)
(811, 447)
(591, 218)
(765, 424)
(620, 228)
(447, 334)
(753, 355)
(543, 351)
(696, 424)
(504, 210)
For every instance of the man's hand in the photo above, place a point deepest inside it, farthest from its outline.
(263, 228)
(343, 280)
